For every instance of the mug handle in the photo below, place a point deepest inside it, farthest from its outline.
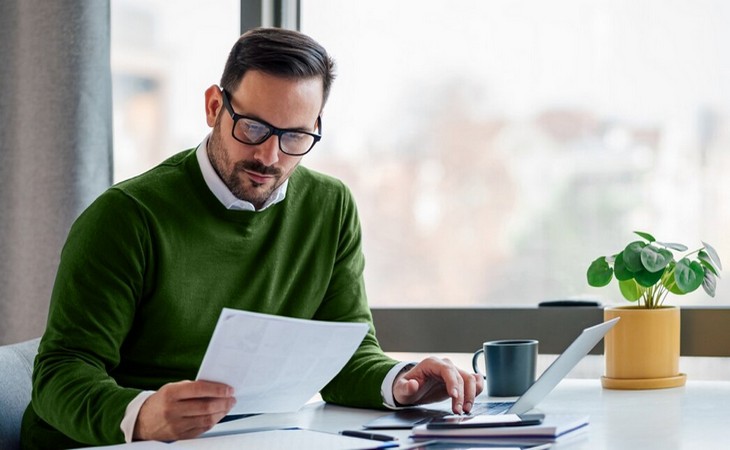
(474, 363)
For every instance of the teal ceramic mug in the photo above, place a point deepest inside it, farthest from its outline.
(510, 366)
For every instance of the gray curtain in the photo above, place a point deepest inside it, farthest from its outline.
(55, 143)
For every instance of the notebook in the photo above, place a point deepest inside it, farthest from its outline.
(553, 427)
(588, 338)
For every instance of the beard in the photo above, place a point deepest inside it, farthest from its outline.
(233, 174)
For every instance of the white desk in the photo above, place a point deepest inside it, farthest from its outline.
(696, 416)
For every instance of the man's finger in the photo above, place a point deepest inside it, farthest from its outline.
(470, 391)
(198, 389)
(191, 427)
(454, 386)
(206, 406)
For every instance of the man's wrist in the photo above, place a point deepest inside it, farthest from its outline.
(386, 390)
(130, 415)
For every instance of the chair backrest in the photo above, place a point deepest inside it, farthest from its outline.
(16, 368)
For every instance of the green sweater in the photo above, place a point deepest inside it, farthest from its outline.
(145, 272)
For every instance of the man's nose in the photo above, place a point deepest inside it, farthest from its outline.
(267, 152)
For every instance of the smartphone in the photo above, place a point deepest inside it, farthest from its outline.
(483, 421)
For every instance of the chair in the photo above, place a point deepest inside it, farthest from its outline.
(16, 368)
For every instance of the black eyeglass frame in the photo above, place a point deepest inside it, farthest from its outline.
(279, 132)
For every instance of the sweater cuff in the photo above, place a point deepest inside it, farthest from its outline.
(131, 413)
(386, 389)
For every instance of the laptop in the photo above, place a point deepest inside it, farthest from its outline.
(588, 338)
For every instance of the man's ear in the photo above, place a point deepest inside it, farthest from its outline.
(213, 104)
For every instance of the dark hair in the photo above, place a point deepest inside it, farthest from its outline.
(278, 52)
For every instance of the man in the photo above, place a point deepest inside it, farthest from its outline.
(236, 222)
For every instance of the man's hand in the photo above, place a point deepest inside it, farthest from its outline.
(435, 379)
(183, 410)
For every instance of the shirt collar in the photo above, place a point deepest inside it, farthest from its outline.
(221, 191)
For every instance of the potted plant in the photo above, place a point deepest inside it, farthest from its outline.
(642, 351)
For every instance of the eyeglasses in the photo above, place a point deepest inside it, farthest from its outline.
(254, 132)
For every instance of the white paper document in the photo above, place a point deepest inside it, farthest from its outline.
(274, 363)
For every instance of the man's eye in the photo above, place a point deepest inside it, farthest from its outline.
(254, 130)
(295, 137)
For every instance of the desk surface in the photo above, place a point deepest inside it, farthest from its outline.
(693, 416)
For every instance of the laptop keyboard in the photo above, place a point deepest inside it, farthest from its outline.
(408, 418)
(490, 408)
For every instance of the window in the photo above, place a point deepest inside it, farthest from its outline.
(495, 148)
(487, 142)
(164, 55)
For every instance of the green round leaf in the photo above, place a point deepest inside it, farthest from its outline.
(655, 259)
(632, 256)
(705, 260)
(648, 279)
(599, 273)
(645, 235)
(688, 275)
(620, 270)
(671, 284)
(630, 290)
(709, 283)
(713, 254)
(673, 246)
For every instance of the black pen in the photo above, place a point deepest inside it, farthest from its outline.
(367, 435)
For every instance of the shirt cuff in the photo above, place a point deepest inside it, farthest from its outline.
(386, 389)
(131, 413)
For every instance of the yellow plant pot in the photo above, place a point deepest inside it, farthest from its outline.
(642, 350)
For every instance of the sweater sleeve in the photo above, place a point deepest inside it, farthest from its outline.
(359, 383)
(99, 279)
